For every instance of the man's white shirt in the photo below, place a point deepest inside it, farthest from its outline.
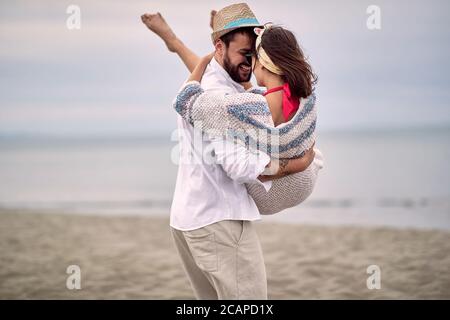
(212, 171)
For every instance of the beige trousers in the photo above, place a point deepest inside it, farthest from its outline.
(223, 260)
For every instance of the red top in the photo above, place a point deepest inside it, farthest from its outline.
(290, 103)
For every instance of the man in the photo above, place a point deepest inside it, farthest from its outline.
(212, 214)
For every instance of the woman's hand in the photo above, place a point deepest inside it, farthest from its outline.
(199, 70)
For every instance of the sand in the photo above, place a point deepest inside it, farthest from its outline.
(134, 258)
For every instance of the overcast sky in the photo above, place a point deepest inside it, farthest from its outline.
(113, 76)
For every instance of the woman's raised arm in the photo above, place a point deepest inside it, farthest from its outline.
(199, 70)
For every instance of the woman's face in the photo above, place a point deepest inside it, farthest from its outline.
(258, 71)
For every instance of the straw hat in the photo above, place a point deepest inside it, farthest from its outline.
(231, 18)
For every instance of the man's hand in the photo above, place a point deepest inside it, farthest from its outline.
(290, 166)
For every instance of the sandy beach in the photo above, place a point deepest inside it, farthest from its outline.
(134, 258)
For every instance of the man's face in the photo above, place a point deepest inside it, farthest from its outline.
(235, 61)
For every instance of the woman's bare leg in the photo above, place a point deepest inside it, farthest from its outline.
(157, 24)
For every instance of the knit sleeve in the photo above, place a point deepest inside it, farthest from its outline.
(246, 118)
(218, 112)
(186, 97)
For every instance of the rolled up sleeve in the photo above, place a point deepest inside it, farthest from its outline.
(239, 163)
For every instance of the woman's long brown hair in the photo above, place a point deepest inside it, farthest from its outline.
(282, 47)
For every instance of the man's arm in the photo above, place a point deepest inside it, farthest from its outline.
(245, 166)
(239, 163)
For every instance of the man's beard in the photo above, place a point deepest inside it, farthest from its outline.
(233, 70)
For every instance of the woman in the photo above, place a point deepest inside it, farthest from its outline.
(280, 121)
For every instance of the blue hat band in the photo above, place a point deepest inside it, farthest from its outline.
(240, 22)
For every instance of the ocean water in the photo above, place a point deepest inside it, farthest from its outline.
(387, 178)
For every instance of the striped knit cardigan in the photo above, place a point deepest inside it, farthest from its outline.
(246, 118)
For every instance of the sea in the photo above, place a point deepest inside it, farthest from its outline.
(371, 178)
